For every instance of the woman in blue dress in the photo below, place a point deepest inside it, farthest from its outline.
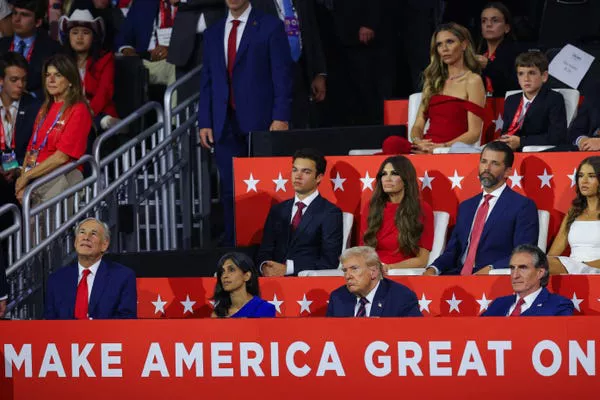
(236, 292)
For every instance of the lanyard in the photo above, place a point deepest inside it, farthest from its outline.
(3, 134)
(29, 53)
(517, 121)
(34, 141)
(167, 15)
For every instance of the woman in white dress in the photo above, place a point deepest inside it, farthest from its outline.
(580, 228)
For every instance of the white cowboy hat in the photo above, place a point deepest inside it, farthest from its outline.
(80, 18)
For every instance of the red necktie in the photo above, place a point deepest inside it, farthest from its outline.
(478, 225)
(298, 216)
(517, 122)
(362, 310)
(517, 311)
(231, 52)
(81, 300)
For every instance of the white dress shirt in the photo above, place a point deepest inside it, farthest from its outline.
(201, 27)
(370, 297)
(91, 277)
(9, 126)
(240, 30)
(290, 263)
(528, 302)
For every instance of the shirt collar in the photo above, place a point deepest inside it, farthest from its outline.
(307, 200)
(14, 104)
(28, 41)
(530, 298)
(93, 269)
(496, 193)
(242, 18)
(526, 100)
(371, 294)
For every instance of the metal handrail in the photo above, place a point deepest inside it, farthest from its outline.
(169, 111)
(11, 230)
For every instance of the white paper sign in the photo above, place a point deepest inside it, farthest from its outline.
(164, 36)
(570, 65)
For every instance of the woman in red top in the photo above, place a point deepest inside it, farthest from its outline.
(60, 131)
(397, 223)
(82, 35)
(453, 92)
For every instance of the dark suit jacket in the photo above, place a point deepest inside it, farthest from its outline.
(545, 304)
(501, 71)
(138, 26)
(587, 121)
(513, 221)
(312, 49)
(43, 48)
(183, 37)
(28, 109)
(113, 295)
(350, 15)
(545, 121)
(262, 78)
(316, 244)
(391, 300)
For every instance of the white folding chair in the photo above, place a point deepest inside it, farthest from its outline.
(406, 271)
(321, 272)
(347, 222)
(544, 221)
(440, 228)
(363, 152)
(500, 271)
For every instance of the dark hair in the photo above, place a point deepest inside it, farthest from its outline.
(509, 155)
(38, 7)
(580, 201)
(532, 59)
(221, 297)
(539, 259)
(12, 59)
(508, 20)
(314, 155)
(95, 51)
(408, 215)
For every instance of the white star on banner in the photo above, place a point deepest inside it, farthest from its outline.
(453, 303)
(483, 303)
(187, 305)
(367, 182)
(304, 304)
(159, 305)
(338, 182)
(515, 179)
(573, 177)
(576, 302)
(426, 180)
(251, 183)
(424, 303)
(455, 179)
(277, 303)
(280, 183)
(499, 123)
(545, 179)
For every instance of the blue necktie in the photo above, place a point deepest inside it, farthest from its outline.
(288, 12)
(21, 47)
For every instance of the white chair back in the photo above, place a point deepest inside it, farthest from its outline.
(440, 228)
(347, 222)
(363, 152)
(414, 102)
(321, 272)
(544, 220)
(500, 271)
(571, 97)
(406, 271)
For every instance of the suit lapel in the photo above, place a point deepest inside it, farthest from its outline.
(285, 218)
(19, 121)
(249, 31)
(307, 218)
(349, 304)
(538, 303)
(220, 48)
(100, 282)
(496, 213)
(379, 299)
(537, 104)
(71, 289)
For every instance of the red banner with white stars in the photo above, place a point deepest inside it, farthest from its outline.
(445, 180)
(448, 296)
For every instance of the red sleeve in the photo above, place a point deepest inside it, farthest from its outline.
(73, 138)
(426, 240)
(364, 215)
(104, 72)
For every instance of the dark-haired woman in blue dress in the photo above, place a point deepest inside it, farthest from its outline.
(236, 292)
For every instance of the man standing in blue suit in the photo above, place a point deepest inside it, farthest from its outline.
(529, 275)
(246, 85)
(366, 292)
(491, 224)
(92, 288)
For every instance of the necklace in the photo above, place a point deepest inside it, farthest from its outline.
(451, 78)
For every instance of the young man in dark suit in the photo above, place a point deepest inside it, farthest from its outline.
(366, 292)
(537, 116)
(584, 132)
(529, 273)
(490, 224)
(30, 41)
(304, 232)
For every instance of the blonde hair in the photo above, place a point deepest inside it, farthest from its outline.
(436, 73)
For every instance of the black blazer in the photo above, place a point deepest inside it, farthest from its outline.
(316, 244)
(391, 299)
(501, 71)
(312, 48)
(43, 48)
(183, 38)
(28, 109)
(587, 121)
(350, 15)
(545, 122)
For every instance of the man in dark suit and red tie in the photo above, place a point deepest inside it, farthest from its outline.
(91, 288)
(490, 224)
(304, 232)
(366, 292)
(529, 273)
(245, 86)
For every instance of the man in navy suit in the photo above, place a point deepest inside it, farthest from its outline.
(304, 232)
(366, 292)
(491, 224)
(537, 116)
(529, 275)
(91, 288)
(246, 85)
(584, 132)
